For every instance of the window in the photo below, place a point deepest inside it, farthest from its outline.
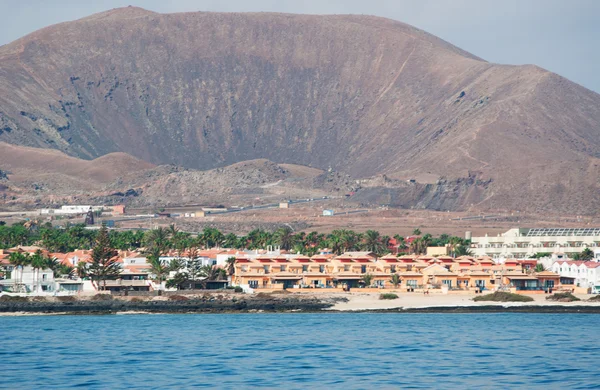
(409, 267)
(214, 262)
(346, 268)
(447, 282)
(253, 283)
(266, 269)
(392, 268)
(282, 268)
(244, 268)
(411, 283)
(305, 268)
(363, 269)
(321, 268)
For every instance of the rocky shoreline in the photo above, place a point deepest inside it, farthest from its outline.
(193, 305)
(256, 305)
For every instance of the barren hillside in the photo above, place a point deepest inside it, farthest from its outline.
(358, 94)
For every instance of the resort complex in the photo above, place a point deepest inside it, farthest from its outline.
(262, 270)
(409, 273)
(521, 243)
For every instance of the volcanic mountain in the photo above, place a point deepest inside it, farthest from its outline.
(360, 94)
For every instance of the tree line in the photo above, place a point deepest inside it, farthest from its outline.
(70, 238)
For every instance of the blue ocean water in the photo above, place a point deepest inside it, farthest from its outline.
(330, 350)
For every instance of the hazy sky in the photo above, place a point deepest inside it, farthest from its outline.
(560, 35)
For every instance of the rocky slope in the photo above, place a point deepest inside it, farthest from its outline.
(33, 175)
(359, 94)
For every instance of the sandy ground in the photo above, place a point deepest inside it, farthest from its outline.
(362, 301)
(387, 222)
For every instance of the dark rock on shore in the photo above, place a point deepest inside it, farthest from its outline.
(187, 306)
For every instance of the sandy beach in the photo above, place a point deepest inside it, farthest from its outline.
(370, 301)
(355, 301)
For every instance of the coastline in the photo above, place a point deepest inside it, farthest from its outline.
(294, 303)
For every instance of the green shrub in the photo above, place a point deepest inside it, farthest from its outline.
(500, 296)
(563, 297)
(136, 300)
(238, 289)
(595, 298)
(388, 296)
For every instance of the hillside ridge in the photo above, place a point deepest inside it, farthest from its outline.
(360, 94)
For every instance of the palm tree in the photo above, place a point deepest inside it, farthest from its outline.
(173, 231)
(463, 250)
(157, 268)
(230, 262)
(284, 237)
(230, 241)
(300, 238)
(38, 262)
(367, 279)
(158, 238)
(53, 263)
(395, 279)
(400, 243)
(385, 241)
(416, 246)
(586, 254)
(66, 271)
(372, 242)
(335, 242)
(312, 239)
(454, 242)
(19, 260)
(211, 273)
(348, 239)
(82, 269)
(420, 244)
(212, 238)
(417, 232)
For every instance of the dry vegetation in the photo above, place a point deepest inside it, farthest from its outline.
(499, 296)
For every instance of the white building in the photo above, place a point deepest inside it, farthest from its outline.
(27, 280)
(71, 210)
(586, 273)
(525, 242)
